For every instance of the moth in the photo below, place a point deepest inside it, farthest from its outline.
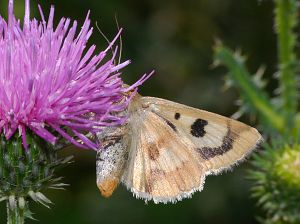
(165, 150)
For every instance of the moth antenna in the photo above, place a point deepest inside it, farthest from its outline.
(120, 38)
(106, 39)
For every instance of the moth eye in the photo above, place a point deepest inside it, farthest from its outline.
(197, 128)
(147, 105)
(177, 116)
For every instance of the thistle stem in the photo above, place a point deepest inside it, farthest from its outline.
(255, 96)
(15, 213)
(286, 20)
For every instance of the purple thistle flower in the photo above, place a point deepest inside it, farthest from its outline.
(51, 82)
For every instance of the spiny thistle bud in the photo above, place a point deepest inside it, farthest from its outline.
(277, 184)
(25, 173)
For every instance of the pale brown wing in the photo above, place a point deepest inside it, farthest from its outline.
(219, 141)
(174, 147)
(162, 166)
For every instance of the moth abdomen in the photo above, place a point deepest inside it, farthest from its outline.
(110, 161)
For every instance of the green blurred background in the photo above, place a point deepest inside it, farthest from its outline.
(175, 38)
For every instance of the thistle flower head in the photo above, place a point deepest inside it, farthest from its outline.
(51, 83)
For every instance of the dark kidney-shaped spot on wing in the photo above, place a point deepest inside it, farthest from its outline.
(197, 128)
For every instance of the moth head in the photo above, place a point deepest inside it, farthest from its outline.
(129, 92)
(107, 187)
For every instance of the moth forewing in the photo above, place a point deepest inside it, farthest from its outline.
(219, 140)
(176, 146)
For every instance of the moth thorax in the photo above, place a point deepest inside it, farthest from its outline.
(110, 164)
